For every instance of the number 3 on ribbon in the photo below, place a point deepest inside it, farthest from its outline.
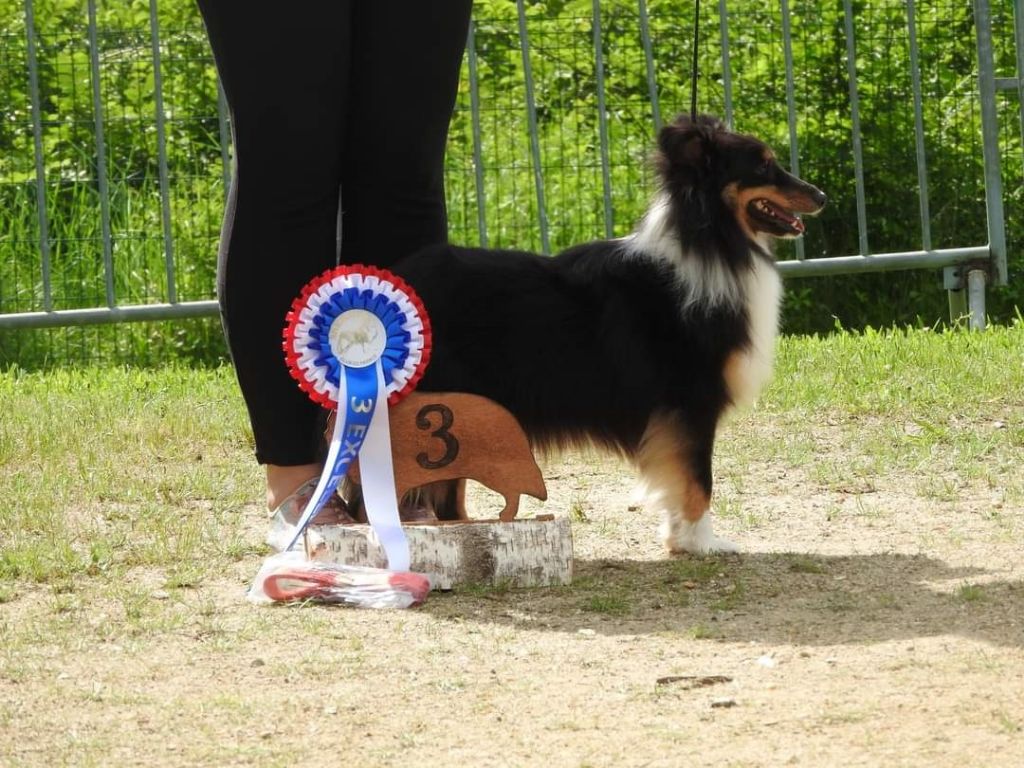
(451, 443)
(362, 406)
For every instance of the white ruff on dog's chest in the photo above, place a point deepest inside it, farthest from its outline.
(751, 369)
(706, 284)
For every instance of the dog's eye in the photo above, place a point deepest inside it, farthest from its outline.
(766, 168)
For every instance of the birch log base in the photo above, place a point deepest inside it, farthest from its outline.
(444, 436)
(534, 552)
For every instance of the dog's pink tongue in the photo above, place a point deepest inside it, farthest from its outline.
(794, 221)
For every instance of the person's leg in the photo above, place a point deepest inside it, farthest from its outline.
(406, 58)
(285, 74)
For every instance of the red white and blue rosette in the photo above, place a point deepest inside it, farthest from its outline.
(357, 335)
(402, 336)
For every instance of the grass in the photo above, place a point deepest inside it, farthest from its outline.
(116, 469)
(578, 511)
(613, 605)
(1007, 723)
(917, 374)
(694, 571)
(942, 407)
(701, 632)
(970, 593)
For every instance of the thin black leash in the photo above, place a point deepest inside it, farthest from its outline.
(693, 81)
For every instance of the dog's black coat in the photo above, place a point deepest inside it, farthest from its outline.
(585, 345)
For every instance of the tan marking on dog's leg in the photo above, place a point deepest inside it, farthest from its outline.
(663, 461)
(666, 469)
(736, 375)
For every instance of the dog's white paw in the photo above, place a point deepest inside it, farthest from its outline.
(696, 538)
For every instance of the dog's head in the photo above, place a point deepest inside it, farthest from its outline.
(717, 175)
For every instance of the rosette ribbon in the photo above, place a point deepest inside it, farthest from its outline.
(355, 336)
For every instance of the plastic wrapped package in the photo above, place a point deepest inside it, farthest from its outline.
(289, 577)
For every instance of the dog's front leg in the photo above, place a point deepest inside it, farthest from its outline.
(674, 460)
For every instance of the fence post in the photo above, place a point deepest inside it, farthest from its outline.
(531, 116)
(478, 163)
(40, 162)
(990, 143)
(101, 156)
(858, 151)
(794, 151)
(161, 152)
(1018, 36)
(976, 279)
(723, 30)
(652, 86)
(957, 305)
(919, 148)
(602, 121)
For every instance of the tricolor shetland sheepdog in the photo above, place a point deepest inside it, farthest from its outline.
(638, 344)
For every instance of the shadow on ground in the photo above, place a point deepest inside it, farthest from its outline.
(765, 598)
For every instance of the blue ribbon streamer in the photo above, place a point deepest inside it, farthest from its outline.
(360, 402)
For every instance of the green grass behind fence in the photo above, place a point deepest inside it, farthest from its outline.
(565, 81)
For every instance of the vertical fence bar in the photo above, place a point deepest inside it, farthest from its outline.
(652, 82)
(1018, 34)
(478, 163)
(976, 279)
(531, 117)
(858, 150)
(161, 152)
(794, 150)
(37, 139)
(957, 305)
(222, 124)
(602, 121)
(990, 141)
(922, 160)
(723, 29)
(101, 156)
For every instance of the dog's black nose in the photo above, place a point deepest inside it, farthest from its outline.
(820, 198)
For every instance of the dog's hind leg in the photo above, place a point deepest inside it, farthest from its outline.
(674, 460)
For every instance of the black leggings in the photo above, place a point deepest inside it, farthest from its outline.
(330, 100)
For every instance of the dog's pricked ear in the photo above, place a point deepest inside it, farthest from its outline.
(686, 147)
(683, 145)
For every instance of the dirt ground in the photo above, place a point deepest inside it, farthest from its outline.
(862, 626)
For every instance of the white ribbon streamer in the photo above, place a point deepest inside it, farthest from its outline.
(376, 470)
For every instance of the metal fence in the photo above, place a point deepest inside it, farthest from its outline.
(115, 149)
